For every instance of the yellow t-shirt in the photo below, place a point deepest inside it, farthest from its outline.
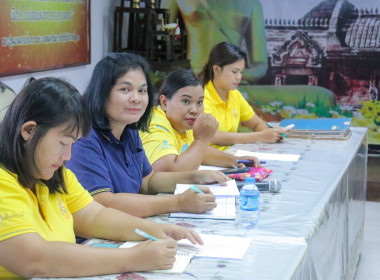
(20, 214)
(162, 139)
(229, 114)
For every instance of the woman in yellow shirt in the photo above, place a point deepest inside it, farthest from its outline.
(43, 207)
(221, 76)
(179, 132)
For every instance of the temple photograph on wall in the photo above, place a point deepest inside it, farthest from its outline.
(335, 45)
(321, 59)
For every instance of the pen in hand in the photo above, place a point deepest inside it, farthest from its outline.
(248, 161)
(144, 234)
(282, 134)
(194, 188)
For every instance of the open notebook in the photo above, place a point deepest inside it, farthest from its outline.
(215, 246)
(225, 201)
(185, 252)
(182, 259)
(219, 246)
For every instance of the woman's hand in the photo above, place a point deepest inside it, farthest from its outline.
(175, 232)
(151, 255)
(254, 162)
(194, 202)
(271, 135)
(211, 176)
(205, 127)
(160, 254)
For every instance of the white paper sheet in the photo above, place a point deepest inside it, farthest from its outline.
(268, 156)
(220, 246)
(210, 167)
(224, 210)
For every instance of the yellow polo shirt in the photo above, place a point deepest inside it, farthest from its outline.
(19, 210)
(229, 114)
(162, 139)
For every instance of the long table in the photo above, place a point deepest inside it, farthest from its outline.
(312, 229)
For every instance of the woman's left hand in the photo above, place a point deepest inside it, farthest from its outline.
(178, 233)
(254, 162)
(212, 176)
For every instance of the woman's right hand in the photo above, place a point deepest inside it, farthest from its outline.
(194, 202)
(205, 127)
(270, 135)
(151, 255)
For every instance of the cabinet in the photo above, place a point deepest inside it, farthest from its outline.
(146, 36)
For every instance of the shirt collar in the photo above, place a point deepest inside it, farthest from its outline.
(107, 134)
(162, 113)
(213, 93)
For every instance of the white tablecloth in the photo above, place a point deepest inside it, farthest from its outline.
(312, 229)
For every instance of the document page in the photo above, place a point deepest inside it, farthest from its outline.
(220, 246)
(268, 156)
(225, 202)
(224, 210)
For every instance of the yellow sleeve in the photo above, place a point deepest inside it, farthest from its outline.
(77, 197)
(158, 142)
(16, 209)
(246, 111)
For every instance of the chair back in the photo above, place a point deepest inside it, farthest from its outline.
(6, 97)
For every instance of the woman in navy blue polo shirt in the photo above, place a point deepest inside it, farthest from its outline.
(111, 163)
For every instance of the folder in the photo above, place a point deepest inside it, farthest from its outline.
(322, 128)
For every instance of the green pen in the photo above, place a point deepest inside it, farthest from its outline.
(194, 188)
(144, 234)
(282, 134)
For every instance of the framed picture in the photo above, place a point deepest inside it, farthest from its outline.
(43, 35)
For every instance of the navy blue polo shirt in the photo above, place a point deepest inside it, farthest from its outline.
(102, 163)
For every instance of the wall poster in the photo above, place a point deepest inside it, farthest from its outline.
(38, 35)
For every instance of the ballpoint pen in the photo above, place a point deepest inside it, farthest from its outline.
(194, 188)
(144, 234)
(248, 161)
(282, 134)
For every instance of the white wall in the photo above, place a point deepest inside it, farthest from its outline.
(101, 42)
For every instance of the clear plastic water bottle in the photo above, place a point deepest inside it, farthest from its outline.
(249, 211)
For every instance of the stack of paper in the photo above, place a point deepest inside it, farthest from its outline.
(225, 200)
(268, 156)
(322, 128)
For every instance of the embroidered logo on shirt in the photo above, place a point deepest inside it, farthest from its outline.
(7, 216)
(62, 208)
(184, 147)
(235, 113)
(165, 145)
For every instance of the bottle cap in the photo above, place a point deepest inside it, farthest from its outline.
(250, 180)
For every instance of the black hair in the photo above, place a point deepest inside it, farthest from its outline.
(178, 79)
(107, 71)
(222, 54)
(50, 102)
